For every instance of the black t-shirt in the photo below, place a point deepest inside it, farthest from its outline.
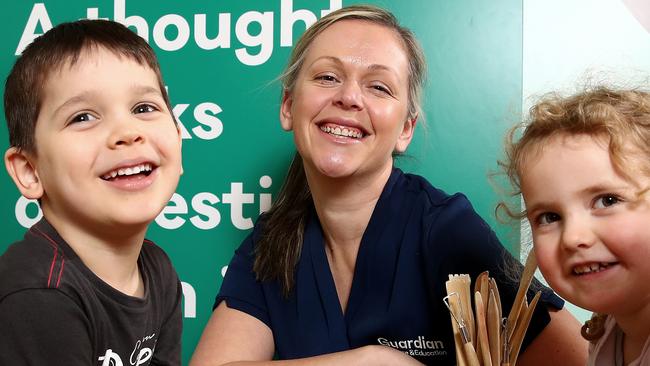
(55, 311)
(416, 237)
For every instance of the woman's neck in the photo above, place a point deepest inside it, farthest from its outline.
(345, 205)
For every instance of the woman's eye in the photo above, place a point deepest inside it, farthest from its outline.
(144, 108)
(606, 201)
(381, 88)
(327, 78)
(547, 218)
(83, 117)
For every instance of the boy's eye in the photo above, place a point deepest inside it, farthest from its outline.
(83, 117)
(547, 218)
(144, 108)
(606, 201)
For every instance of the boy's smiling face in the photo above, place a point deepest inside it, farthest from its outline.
(108, 151)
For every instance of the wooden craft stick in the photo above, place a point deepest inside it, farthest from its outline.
(526, 278)
(481, 331)
(520, 332)
(494, 329)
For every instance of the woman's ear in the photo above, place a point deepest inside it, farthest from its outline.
(22, 170)
(406, 135)
(286, 120)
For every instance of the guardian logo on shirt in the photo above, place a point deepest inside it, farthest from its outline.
(416, 347)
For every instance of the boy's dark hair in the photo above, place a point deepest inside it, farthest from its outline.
(59, 46)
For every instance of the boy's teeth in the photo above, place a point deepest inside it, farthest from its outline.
(128, 171)
(590, 268)
(342, 131)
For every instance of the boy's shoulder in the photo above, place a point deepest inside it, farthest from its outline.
(42, 260)
(35, 262)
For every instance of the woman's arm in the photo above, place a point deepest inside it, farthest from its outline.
(232, 337)
(560, 343)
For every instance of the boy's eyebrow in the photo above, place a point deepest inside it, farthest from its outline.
(146, 89)
(81, 97)
(85, 95)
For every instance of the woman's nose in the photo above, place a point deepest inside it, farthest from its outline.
(349, 96)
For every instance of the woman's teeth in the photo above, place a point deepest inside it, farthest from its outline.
(590, 268)
(128, 171)
(342, 131)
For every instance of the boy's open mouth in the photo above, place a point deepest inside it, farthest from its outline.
(137, 170)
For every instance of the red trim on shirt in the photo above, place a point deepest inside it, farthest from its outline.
(55, 246)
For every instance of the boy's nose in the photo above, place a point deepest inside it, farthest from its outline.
(577, 234)
(125, 134)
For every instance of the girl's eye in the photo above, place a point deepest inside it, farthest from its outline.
(547, 218)
(606, 201)
(144, 108)
(83, 117)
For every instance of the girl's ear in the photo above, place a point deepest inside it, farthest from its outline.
(286, 120)
(405, 137)
(22, 170)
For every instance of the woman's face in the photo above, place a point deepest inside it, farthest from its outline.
(349, 107)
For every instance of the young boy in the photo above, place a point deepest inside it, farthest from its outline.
(93, 139)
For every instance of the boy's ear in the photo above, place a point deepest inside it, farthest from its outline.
(180, 145)
(23, 172)
(286, 120)
(406, 135)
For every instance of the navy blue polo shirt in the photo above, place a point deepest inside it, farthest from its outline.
(416, 237)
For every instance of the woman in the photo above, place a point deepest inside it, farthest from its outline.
(349, 265)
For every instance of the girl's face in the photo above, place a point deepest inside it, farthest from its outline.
(591, 229)
(348, 109)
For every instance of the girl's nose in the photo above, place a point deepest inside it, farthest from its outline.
(577, 233)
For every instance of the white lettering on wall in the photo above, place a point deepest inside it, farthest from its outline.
(189, 300)
(289, 17)
(265, 198)
(204, 213)
(258, 47)
(205, 114)
(182, 32)
(176, 206)
(221, 40)
(138, 22)
(21, 212)
(37, 17)
(237, 199)
(264, 39)
(201, 204)
(211, 126)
